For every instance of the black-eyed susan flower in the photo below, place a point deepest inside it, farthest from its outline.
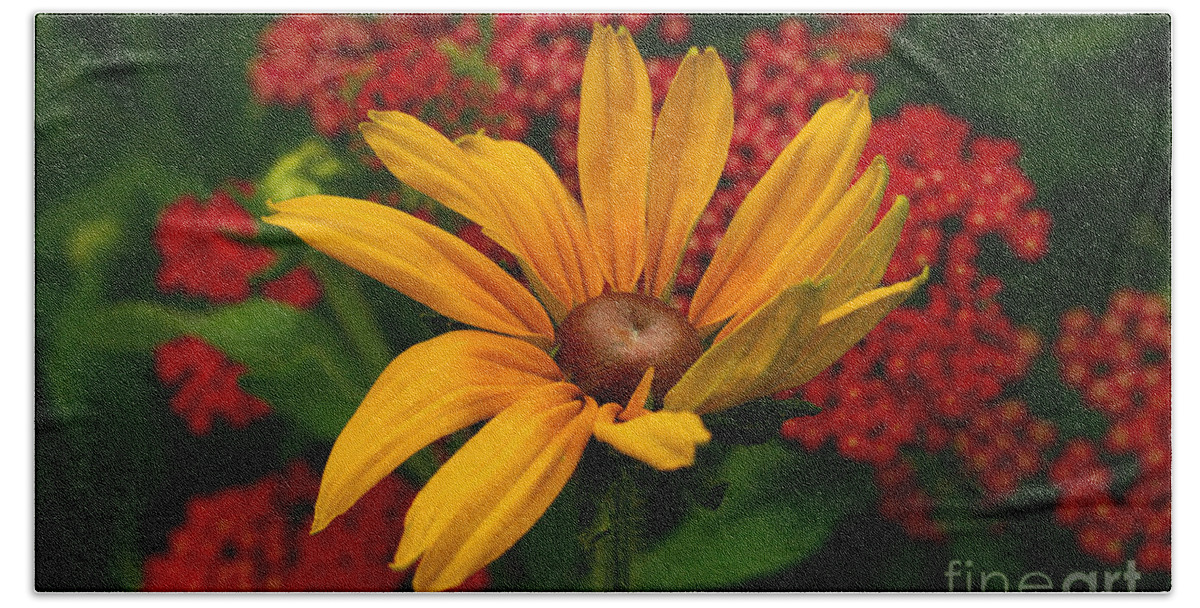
(791, 287)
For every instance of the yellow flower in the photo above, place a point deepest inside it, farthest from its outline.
(791, 287)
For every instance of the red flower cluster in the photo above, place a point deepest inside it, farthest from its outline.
(205, 253)
(310, 60)
(298, 287)
(918, 375)
(256, 538)
(540, 59)
(1121, 363)
(1003, 446)
(246, 539)
(201, 251)
(932, 376)
(945, 174)
(340, 67)
(782, 81)
(413, 74)
(674, 28)
(395, 31)
(1139, 523)
(207, 383)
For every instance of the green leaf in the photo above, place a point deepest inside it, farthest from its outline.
(296, 362)
(300, 172)
(769, 519)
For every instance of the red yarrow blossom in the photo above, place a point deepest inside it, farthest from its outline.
(205, 253)
(309, 60)
(255, 538)
(949, 176)
(207, 385)
(1110, 526)
(674, 28)
(1003, 446)
(903, 501)
(931, 378)
(203, 250)
(1120, 361)
(1121, 364)
(396, 30)
(540, 63)
(917, 377)
(782, 80)
(415, 76)
(947, 173)
(340, 67)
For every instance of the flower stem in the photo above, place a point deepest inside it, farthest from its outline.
(614, 530)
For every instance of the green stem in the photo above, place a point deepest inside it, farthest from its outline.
(614, 531)
(350, 308)
(624, 528)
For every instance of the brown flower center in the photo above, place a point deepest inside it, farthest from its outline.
(606, 344)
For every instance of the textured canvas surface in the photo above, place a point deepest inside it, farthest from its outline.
(965, 388)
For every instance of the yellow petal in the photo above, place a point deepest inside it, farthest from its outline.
(431, 390)
(431, 164)
(420, 260)
(615, 119)
(502, 486)
(805, 255)
(546, 225)
(747, 364)
(799, 189)
(687, 156)
(854, 238)
(637, 401)
(843, 327)
(503, 447)
(865, 266)
(663, 440)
